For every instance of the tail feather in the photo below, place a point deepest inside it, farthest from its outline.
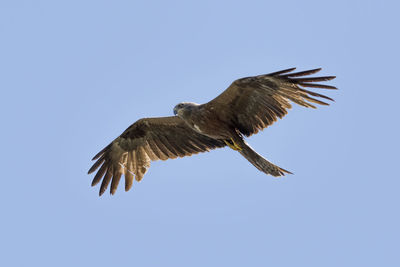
(261, 163)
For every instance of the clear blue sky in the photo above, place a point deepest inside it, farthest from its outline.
(75, 74)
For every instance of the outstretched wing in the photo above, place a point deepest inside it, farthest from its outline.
(253, 103)
(147, 140)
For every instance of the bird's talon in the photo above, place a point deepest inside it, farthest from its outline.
(237, 147)
(233, 145)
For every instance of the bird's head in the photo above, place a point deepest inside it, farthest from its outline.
(184, 108)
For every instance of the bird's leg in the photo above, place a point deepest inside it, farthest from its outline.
(233, 145)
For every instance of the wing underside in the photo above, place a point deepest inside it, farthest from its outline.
(146, 140)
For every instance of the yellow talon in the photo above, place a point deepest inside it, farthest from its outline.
(230, 145)
(238, 148)
(233, 145)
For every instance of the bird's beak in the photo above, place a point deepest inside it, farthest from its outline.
(175, 111)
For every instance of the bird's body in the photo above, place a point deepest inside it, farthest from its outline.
(205, 120)
(247, 106)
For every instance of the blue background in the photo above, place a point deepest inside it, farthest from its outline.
(75, 74)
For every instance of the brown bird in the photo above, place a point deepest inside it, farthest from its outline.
(248, 105)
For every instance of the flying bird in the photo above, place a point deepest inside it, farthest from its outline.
(247, 106)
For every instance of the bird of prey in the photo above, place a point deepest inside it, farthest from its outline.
(247, 106)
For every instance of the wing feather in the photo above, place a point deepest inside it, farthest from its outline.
(281, 72)
(253, 103)
(99, 175)
(133, 163)
(172, 146)
(150, 153)
(97, 164)
(115, 180)
(128, 180)
(144, 141)
(106, 181)
(314, 85)
(301, 73)
(163, 147)
(160, 149)
(166, 147)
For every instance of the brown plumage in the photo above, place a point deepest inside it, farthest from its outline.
(247, 106)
